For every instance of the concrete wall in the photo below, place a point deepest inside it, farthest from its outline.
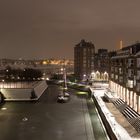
(40, 88)
(104, 120)
(109, 130)
(16, 94)
(24, 94)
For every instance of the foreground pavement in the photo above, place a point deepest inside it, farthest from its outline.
(46, 119)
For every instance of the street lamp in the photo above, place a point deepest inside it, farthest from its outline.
(3, 83)
(84, 77)
(61, 70)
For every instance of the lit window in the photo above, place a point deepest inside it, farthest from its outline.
(130, 83)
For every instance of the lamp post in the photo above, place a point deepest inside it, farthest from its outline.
(3, 83)
(65, 79)
(84, 77)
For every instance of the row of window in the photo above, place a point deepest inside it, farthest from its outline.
(129, 63)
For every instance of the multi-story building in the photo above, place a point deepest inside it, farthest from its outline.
(90, 65)
(83, 60)
(101, 64)
(125, 75)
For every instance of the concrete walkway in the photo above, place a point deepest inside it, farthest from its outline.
(88, 125)
(46, 119)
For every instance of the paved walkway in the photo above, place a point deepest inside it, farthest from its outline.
(88, 125)
(46, 119)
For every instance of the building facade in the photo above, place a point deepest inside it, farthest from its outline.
(84, 60)
(125, 75)
(101, 64)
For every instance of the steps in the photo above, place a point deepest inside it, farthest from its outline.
(131, 115)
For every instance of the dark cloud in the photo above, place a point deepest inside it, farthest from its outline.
(51, 28)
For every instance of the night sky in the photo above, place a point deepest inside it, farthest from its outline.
(35, 29)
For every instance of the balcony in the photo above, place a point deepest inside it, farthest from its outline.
(131, 73)
(131, 65)
(112, 69)
(131, 76)
(138, 62)
(138, 65)
(138, 87)
(138, 77)
(120, 71)
(129, 83)
(120, 81)
(116, 70)
(112, 76)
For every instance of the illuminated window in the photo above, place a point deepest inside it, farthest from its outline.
(116, 77)
(112, 76)
(44, 62)
(121, 79)
(120, 71)
(130, 83)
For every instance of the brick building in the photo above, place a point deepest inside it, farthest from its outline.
(83, 59)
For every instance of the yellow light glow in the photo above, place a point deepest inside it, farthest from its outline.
(82, 93)
(44, 62)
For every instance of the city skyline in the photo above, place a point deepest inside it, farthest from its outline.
(45, 29)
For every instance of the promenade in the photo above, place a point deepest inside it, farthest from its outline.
(46, 119)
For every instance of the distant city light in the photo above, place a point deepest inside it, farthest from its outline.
(47, 78)
(3, 108)
(44, 62)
